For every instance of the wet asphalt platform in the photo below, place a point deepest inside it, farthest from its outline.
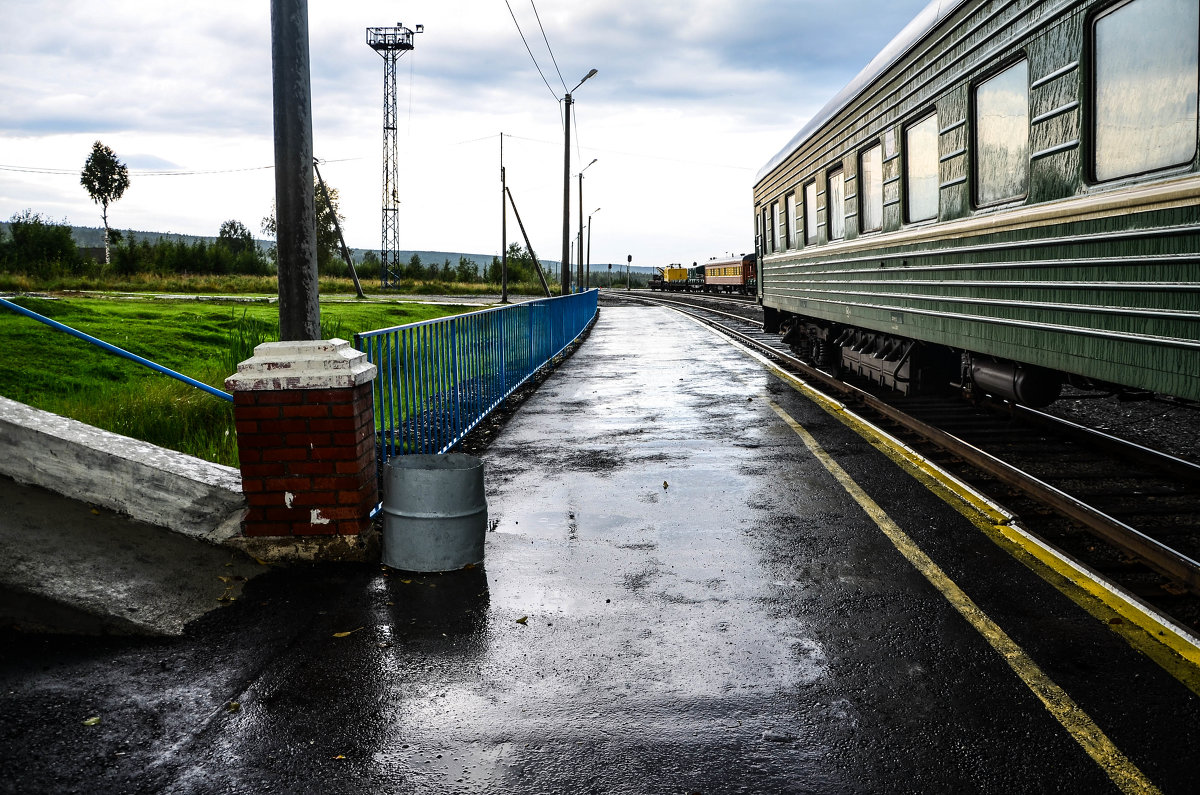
(678, 596)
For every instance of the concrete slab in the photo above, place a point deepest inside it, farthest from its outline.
(71, 567)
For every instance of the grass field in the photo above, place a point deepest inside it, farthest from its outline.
(204, 340)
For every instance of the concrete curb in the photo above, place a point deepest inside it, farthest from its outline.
(161, 487)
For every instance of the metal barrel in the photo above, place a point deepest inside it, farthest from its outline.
(435, 513)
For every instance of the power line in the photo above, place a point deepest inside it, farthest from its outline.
(535, 63)
(137, 173)
(600, 150)
(548, 48)
(154, 173)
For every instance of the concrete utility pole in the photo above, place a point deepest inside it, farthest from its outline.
(503, 229)
(579, 245)
(564, 267)
(588, 279)
(566, 224)
(295, 214)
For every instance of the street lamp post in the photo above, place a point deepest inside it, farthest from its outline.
(566, 222)
(579, 243)
(588, 283)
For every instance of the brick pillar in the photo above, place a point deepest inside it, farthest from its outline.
(306, 439)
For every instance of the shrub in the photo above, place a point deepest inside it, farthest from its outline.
(39, 247)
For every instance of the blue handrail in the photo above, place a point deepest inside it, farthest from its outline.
(114, 349)
(439, 378)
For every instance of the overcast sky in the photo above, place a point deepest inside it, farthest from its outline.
(691, 99)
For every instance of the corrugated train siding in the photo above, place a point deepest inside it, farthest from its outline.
(1005, 278)
(1000, 275)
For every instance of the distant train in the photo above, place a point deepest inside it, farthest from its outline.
(1005, 199)
(716, 276)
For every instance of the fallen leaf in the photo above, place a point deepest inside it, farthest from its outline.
(261, 562)
(95, 512)
(664, 485)
(225, 579)
(93, 721)
(233, 706)
(523, 619)
(344, 634)
(340, 756)
(407, 582)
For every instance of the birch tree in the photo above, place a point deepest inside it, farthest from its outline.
(105, 178)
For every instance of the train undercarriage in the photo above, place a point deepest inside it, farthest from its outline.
(912, 367)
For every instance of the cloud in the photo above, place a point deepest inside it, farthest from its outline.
(147, 162)
(691, 98)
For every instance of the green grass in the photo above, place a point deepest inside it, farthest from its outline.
(51, 370)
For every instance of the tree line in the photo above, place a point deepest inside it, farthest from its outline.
(41, 248)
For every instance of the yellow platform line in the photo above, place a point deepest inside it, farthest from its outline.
(1078, 724)
(1176, 651)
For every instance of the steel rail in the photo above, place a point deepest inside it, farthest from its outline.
(656, 299)
(1178, 467)
(1164, 559)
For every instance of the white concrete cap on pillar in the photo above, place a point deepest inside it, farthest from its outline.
(303, 364)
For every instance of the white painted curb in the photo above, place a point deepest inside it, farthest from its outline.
(162, 487)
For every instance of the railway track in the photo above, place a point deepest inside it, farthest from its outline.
(1128, 512)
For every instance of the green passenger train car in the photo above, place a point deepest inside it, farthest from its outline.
(1007, 198)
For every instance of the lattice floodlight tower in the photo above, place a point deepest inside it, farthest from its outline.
(391, 43)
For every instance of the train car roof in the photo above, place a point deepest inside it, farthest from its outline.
(905, 40)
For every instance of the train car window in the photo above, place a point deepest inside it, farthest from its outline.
(776, 227)
(793, 221)
(785, 227)
(921, 170)
(870, 189)
(810, 213)
(1002, 136)
(836, 204)
(1145, 76)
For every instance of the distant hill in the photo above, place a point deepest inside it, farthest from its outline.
(93, 237)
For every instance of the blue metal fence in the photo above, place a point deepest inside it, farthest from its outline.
(439, 378)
